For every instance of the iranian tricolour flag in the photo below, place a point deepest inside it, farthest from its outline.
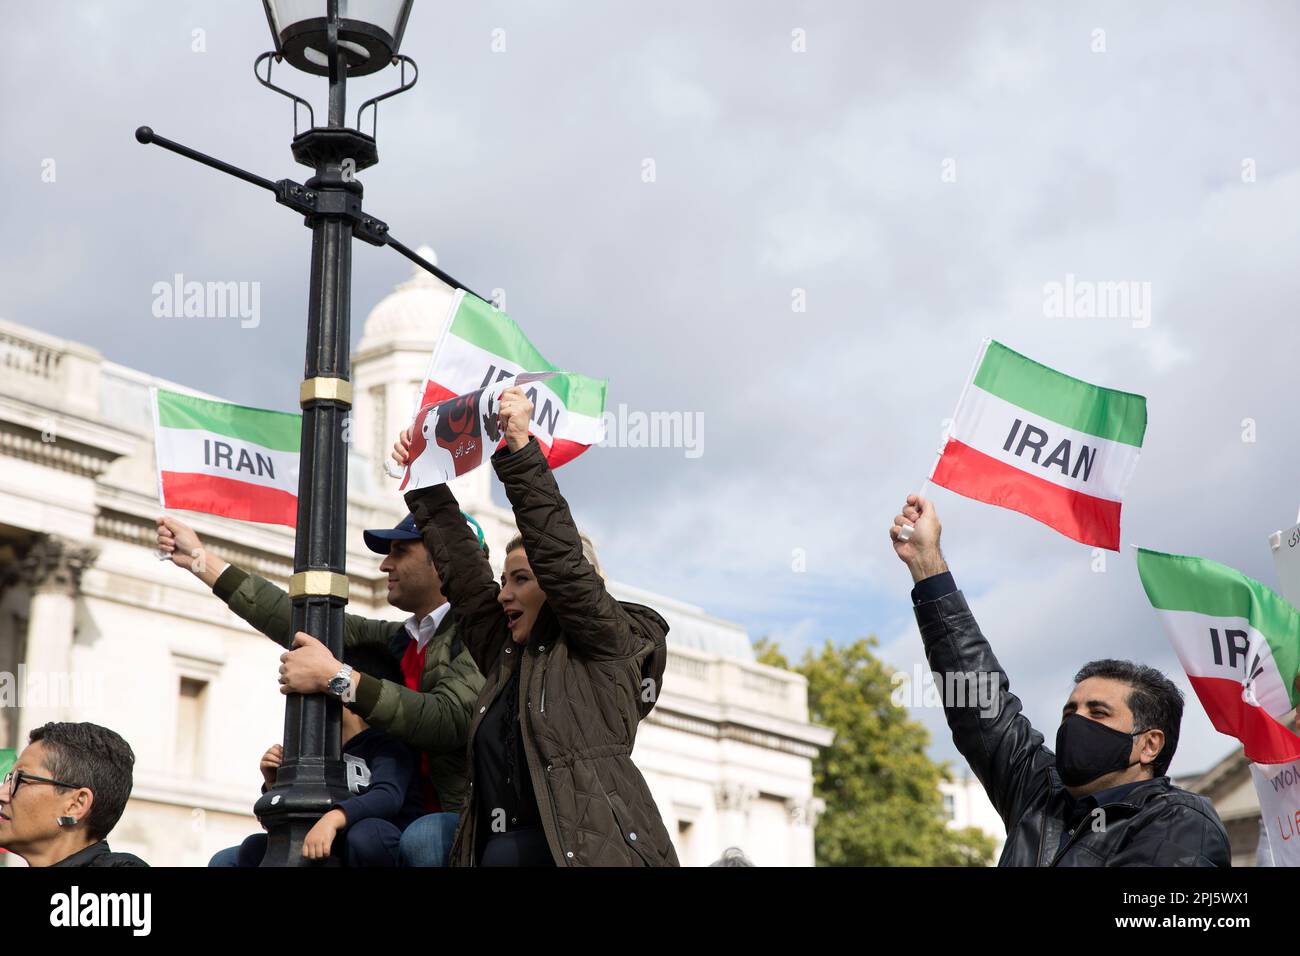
(481, 345)
(1032, 439)
(226, 459)
(1239, 643)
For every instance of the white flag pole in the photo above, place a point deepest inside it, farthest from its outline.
(905, 533)
(160, 554)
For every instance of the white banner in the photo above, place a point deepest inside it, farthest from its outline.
(1286, 555)
(455, 436)
(1279, 794)
(1279, 806)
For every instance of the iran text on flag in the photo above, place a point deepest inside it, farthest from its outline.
(481, 345)
(226, 459)
(1032, 439)
(1239, 643)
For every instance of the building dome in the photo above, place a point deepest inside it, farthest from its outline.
(412, 314)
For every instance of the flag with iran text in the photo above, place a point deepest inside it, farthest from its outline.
(226, 459)
(1239, 643)
(481, 346)
(1034, 440)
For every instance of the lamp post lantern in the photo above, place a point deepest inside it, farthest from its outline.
(336, 39)
(367, 32)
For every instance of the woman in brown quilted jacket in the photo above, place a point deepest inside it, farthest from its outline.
(570, 672)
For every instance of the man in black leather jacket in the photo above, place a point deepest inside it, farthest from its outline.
(1103, 798)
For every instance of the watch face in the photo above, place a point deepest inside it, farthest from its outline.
(338, 685)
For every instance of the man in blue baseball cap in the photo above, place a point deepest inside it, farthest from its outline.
(430, 709)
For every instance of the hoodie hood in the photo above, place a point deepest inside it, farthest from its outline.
(653, 628)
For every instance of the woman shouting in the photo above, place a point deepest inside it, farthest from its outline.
(570, 672)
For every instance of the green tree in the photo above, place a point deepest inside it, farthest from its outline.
(883, 806)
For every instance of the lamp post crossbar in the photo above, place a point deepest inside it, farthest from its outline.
(311, 777)
(307, 202)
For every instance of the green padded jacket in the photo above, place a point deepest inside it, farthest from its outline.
(436, 720)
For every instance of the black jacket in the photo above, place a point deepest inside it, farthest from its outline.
(98, 854)
(1154, 824)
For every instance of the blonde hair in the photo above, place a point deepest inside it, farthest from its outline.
(588, 550)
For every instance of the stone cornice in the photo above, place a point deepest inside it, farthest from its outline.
(665, 716)
(135, 529)
(196, 794)
(63, 453)
(396, 347)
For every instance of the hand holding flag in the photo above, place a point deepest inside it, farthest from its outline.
(915, 534)
(455, 436)
(515, 413)
(481, 347)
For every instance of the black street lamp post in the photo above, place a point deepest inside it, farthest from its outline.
(345, 38)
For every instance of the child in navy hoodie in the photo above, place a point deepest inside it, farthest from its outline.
(382, 779)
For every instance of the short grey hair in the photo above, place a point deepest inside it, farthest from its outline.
(732, 856)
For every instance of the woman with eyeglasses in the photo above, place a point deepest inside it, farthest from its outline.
(64, 795)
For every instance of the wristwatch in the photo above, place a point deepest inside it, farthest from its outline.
(341, 682)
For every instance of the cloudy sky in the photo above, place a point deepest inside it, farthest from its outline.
(914, 173)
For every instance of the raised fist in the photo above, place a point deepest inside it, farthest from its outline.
(515, 412)
(920, 549)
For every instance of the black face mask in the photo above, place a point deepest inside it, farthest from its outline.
(1088, 749)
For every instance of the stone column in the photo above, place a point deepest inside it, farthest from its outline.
(733, 800)
(803, 815)
(52, 570)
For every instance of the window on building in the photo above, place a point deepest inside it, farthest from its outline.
(949, 807)
(189, 727)
(683, 841)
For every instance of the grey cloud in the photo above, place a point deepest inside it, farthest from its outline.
(776, 170)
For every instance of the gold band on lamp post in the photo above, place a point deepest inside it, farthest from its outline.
(329, 389)
(319, 584)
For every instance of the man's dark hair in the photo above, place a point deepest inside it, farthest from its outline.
(374, 662)
(94, 757)
(1157, 704)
